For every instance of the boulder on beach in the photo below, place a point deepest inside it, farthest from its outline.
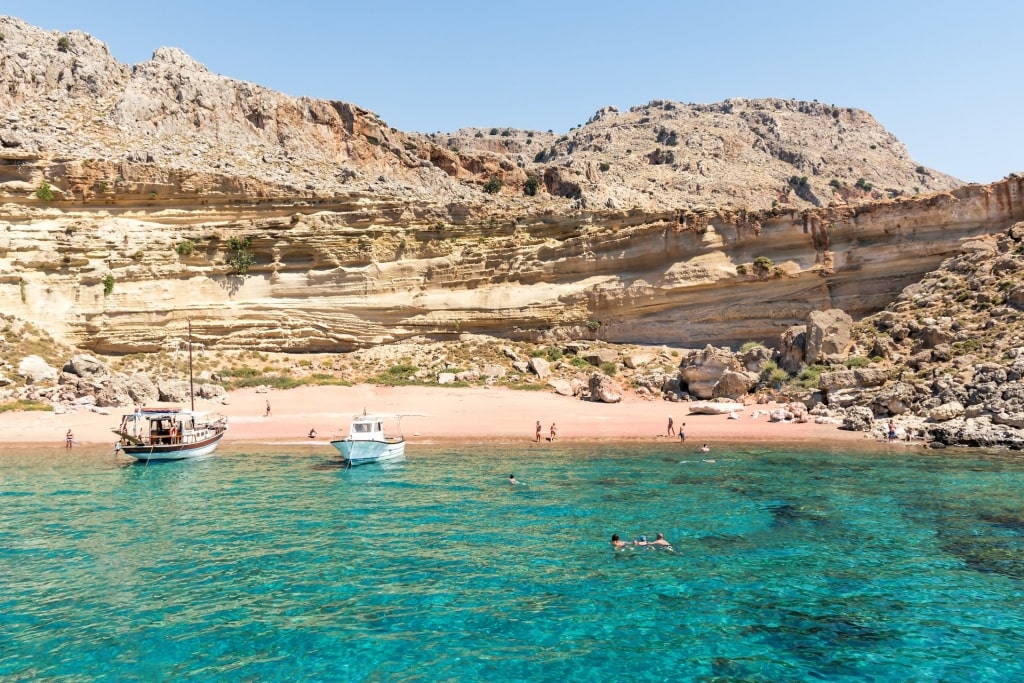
(714, 408)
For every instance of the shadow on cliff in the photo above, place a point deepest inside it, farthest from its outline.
(232, 283)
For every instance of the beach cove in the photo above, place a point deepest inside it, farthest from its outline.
(442, 414)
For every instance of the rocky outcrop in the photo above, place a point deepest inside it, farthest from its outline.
(604, 389)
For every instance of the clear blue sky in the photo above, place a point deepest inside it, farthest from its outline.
(944, 77)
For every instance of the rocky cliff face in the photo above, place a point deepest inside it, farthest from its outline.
(291, 224)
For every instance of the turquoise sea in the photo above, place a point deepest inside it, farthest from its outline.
(273, 564)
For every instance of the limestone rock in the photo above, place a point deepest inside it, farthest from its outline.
(113, 392)
(703, 370)
(210, 391)
(539, 367)
(716, 408)
(604, 389)
(562, 387)
(791, 349)
(733, 384)
(828, 335)
(600, 356)
(35, 370)
(858, 419)
(755, 358)
(141, 389)
(492, 370)
(174, 391)
(870, 377)
(86, 366)
(637, 360)
(946, 411)
(840, 379)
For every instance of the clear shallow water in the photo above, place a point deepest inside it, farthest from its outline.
(791, 565)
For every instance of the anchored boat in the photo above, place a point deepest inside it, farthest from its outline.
(367, 442)
(171, 433)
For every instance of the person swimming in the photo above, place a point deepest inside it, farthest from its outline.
(512, 480)
(662, 544)
(617, 543)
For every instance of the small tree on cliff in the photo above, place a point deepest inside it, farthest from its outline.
(241, 255)
(492, 186)
(530, 186)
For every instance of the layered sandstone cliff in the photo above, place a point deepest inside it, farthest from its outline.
(292, 224)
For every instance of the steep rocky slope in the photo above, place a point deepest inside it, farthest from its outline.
(952, 347)
(67, 101)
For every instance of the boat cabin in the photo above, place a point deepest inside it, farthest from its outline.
(366, 429)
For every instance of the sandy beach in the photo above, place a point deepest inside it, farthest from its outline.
(442, 414)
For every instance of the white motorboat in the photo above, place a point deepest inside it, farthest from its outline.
(367, 442)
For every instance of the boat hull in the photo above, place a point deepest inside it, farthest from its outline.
(173, 451)
(364, 452)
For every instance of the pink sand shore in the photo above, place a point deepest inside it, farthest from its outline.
(465, 415)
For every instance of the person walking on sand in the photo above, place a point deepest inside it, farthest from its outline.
(553, 432)
(69, 439)
(538, 431)
(682, 434)
(267, 414)
(671, 431)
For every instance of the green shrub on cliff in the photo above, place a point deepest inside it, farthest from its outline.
(44, 192)
(241, 255)
(810, 377)
(530, 186)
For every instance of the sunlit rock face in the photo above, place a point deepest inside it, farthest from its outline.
(134, 199)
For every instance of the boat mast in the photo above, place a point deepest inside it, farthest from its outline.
(191, 390)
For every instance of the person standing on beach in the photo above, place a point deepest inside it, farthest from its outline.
(267, 414)
(538, 431)
(682, 434)
(69, 439)
(554, 432)
(671, 431)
